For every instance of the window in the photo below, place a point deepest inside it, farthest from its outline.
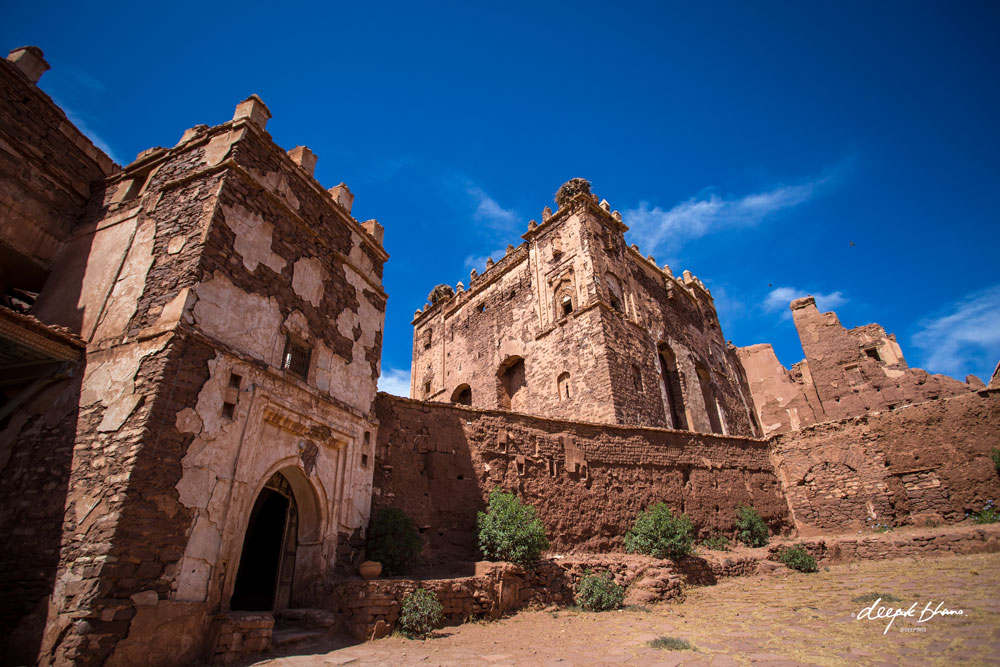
(615, 299)
(427, 339)
(567, 305)
(562, 386)
(427, 388)
(234, 380)
(872, 353)
(636, 378)
(296, 358)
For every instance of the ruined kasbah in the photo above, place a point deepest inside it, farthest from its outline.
(192, 443)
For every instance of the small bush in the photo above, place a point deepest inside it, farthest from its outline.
(671, 644)
(995, 455)
(716, 543)
(658, 533)
(872, 597)
(797, 558)
(751, 528)
(599, 592)
(393, 541)
(510, 531)
(420, 614)
(989, 514)
(883, 527)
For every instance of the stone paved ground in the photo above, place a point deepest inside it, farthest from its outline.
(784, 619)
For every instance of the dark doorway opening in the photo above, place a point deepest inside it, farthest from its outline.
(672, 385)
(263, 581)
(462, 395)
(511, 380)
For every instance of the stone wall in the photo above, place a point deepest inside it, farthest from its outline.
(587, 481)
(47, 170)
(929, 460)
(595, 325)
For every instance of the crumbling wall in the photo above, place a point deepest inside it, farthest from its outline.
(587, 481)
(929, 460)
(784, 400)
(47, 170)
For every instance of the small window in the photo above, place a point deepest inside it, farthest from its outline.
(427, 387)
(364, 460)
(427, 339)
(636, 378)
(234, 380)
(562, 386)
(296, 358)
(481, 308)
(567, 305)
(229, 410)
(872, 353)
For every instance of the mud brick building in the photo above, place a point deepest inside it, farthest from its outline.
(191, 441)
(200, 390)
(575, 324)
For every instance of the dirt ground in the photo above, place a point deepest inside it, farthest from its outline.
(778, 619)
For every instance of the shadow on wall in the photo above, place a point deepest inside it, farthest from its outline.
(36, 458)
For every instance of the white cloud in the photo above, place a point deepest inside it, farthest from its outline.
(478, 262)
(779, 298)
(489, 211)
(395, 381)
(657, 230)
(93, 136)
(964, 338)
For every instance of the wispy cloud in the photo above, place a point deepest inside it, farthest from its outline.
(777, 300)
(657, 230)
(489, 211)
(81, 125)
(395, 381)
(964, 338)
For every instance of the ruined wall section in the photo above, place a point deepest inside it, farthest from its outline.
(587, 481)
(925, 461)
(47, 170)
(784, 400)
(857, 371)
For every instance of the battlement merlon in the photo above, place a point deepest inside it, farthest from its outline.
(251, 115)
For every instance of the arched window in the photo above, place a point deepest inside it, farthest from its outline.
(510, 380)
(615, 298)
(462, 395)
(672, 386)
(562, 386)
(711, 402)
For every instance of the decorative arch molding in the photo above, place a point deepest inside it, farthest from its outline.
(462, 394)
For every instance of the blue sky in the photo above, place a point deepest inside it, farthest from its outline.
(751, 143)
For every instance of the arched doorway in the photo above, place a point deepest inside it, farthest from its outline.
(673, 387)
(267, 564)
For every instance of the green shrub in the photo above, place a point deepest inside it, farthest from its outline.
(671, 644)
(716, 543)
(989, 514)
(393, 541)
(751, 528)
(420, 613)
(658, 533)
(599, 592)
(797, 558)
(995, 455)
(510, 531)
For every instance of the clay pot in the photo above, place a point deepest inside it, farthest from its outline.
(370, 569)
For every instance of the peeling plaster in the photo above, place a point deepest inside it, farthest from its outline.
(248, 322)
(307, 280)
(111, 375)
(123, 300)
(253, 238)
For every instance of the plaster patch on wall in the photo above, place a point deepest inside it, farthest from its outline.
(124, 298)
(110, 376)
(253, 238)
(249, 322)
(307, 280)
(218, 146)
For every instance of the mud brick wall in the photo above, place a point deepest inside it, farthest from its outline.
(36, 457)
(47, 169)
(925, 460)
(588, 482)
(241, 634)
